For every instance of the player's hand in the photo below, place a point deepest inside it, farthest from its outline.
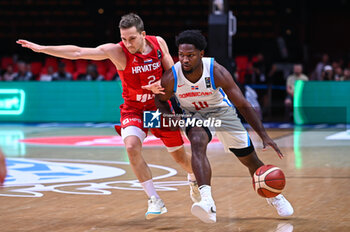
(33, 46)
(269, 142)
(3, 171)
(155, 87)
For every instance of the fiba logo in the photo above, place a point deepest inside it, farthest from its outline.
(151, 119)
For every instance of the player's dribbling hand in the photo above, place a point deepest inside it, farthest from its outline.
(33, 46)
(269, 142)
(155, 87)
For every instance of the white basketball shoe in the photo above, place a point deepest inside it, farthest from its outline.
(205, 210)
(283, 207)
(194, 191)
(156, 207)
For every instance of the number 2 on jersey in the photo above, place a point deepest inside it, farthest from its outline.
(200, 105)
(151, 79)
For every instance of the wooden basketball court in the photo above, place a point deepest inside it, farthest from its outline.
(44, 192)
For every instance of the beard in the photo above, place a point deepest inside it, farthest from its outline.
(189, 71)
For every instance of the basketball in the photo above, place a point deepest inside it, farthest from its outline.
(268, 181)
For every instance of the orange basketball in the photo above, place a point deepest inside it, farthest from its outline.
(269, 181)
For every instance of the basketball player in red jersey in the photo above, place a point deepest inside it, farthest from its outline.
(140, 61)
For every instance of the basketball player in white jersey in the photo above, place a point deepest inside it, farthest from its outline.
(206, 90)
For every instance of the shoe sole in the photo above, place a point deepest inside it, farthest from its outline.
(151, 215)
(203, 215)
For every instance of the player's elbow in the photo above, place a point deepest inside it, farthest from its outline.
(77, 54)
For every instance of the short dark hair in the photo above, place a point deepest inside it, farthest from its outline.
(193, 37)
(131, 20)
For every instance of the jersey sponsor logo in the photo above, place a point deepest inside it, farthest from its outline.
(32, 178)
(128, 120)
(146, 68)
(144, 97)
(125, 121)
(180, 85)
(194, 94)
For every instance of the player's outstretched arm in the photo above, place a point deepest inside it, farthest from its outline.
(224, 80)
(69, 51)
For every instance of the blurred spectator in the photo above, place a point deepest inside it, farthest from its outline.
(258, 74)
(317, 73)
(115, 77)
(337, 63)
(276, 75)
(91, 74)
(328, 74)
(47, 76)
(338, 73)
(23, 74)
(9, 74)
(252, 98)
(297, 75)
(259, 77)
(61, 74)
(346, 76)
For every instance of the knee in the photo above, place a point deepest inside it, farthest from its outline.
(132, 150)
(198, 142)
(198, 147)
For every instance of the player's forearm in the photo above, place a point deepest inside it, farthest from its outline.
(162, 105)
(62, 51)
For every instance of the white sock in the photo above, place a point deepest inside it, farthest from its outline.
(148, 187)
(191, 177)
(205, 191)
